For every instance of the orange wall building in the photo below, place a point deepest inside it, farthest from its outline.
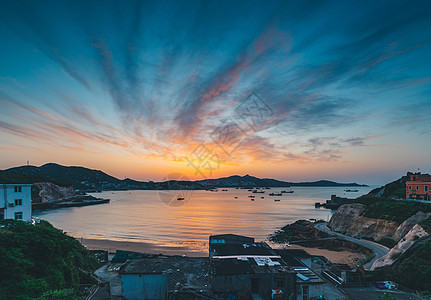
(419, 187)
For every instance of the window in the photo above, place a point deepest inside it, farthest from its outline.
(426, 189)
(18, 216)
(410, 187)
(17, 189)
(218, 241)
(417, 188)
(18, 202)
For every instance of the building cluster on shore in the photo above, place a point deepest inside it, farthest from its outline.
(237, 268)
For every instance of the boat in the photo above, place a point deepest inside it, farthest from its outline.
(276, 200)
(287, 192)
(236, 197)
(252, 199)
(262, 197)
(275, 194)
(224, 190)
(351, 190)
(260, 192)
(251, 196)
(180, 198)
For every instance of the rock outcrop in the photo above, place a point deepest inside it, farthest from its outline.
(347, 220)
(49, 191)
(345, 216)
(406, 242)
(373, 228)
(408, 224)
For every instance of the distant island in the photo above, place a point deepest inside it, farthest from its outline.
(86, 179)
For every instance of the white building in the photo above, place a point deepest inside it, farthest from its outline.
(15, 201)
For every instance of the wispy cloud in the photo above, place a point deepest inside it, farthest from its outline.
(173, 71)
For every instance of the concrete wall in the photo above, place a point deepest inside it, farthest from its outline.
(242, 284)
(144, 286)
(237, 283)
(8, 197)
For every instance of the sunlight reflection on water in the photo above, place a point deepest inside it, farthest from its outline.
(141, 216)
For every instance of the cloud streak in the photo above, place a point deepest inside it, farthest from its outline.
(171, 72)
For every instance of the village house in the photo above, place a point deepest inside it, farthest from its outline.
(418, 187)
(15, 202)
(248, 270)
(237, 268)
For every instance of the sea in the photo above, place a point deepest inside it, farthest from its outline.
(187, 218)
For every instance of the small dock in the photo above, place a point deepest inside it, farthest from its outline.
(334, 203)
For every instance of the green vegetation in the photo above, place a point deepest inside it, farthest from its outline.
(14, 177)
(388, 209)
(387, 296)
(8, 176)
(396, 188)
(395, 255)
(426, 224)
(388, 242)
(40, 262)
(413, 272)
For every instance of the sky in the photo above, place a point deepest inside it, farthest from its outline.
(293, 90)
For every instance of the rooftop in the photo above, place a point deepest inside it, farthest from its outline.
(304, 274)
(15, 184)
(420, 178)
(248, 265)
(255, 249)
(187, 272)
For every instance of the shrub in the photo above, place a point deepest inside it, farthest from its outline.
(388, 242)
(36, 259)
(395, 255)
(392, 210)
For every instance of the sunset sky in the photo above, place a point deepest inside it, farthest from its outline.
(309, 90)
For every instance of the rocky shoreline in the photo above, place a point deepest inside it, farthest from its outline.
(304, 233)
(73, 201)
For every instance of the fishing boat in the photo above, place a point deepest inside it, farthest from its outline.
(275, 194)
(260, 192)
(287, 192)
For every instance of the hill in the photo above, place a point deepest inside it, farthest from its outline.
(394, 189)
(79, 177)
(250, 181)
(39, 260)
(9, 176)
(243, 181)
(388, 202)
(88, 179)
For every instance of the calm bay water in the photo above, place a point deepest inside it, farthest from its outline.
(156, 217)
